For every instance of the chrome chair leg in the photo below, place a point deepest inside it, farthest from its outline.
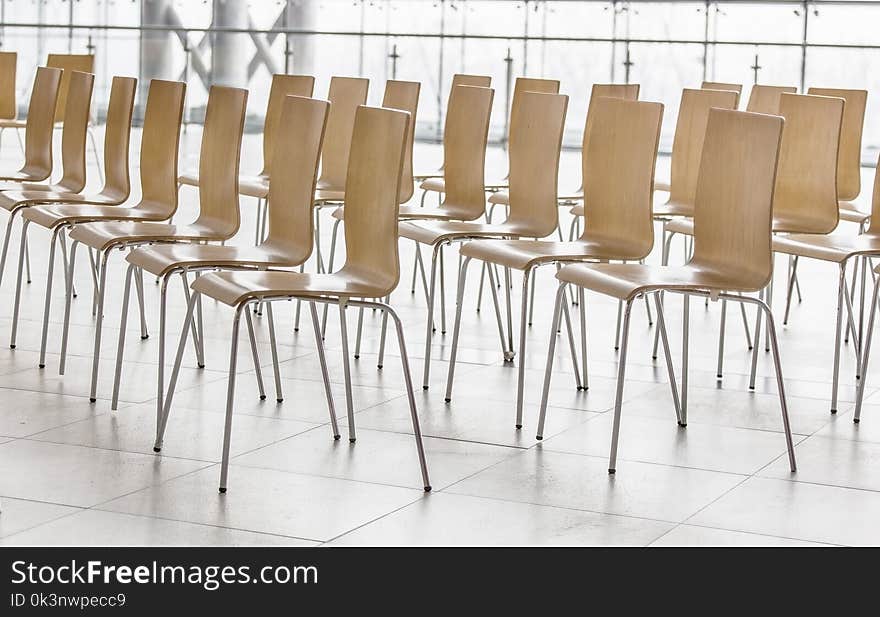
(44, 335)
(860, 391)
(685, 347)
(774, 344)
(162, 420)
(120, 343)
(429, 329)
(279, 395)
(17, 302)
(230, 397)
(325, 375)
(99, 326)
(139, 287)
(494, 289)
(756, 344)
(349, 404)
(68, 296)
(585, 380)
(381, 360)
(456, 328)
(255, 354)
(721, 331)
(841, 293)
(670, 368)
(523, 325)
(551, 353)
(618, 399)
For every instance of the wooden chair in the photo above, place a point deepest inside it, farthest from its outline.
(849, 162)
(371, 269)
(734, 191)
(765, 99)
(535, 141)
(160, 142)
(8, 104)
(521, 86)
(218, 218)
(346, 94)
(21, 195)
(618, 170)
(720, 85)
(459, 79)
(116, 189)
(38, 129)
(299, 130)
(258, 185)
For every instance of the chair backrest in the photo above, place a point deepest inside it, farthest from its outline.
(117, 138)
(372, 186)
(282, 87)
(75, 131)
(531, 84)
(536, 129)
(849, 162)
(84, 63)
(219, 160)
(464, 149)
(160, 145)
(618, 164)
(720, 85)
(300, 129)
(462, 79)
(734, 204)
(8, 108)
(404, 95)
(806, 185)
(687, 143)
(627, 92)
(346, 95)
(765, 99)
(875, 202)
(40, 123)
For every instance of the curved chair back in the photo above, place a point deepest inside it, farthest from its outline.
(74, 133)
(464, 149)
(346, 95)
(462, 79)
(849, 162)
(300, 129)
(619, 162)
(875, 202)
(734, 204)
(806, 185)
(160, 145)
(84, 63)
(404, 95)
(720, 85)
(8, 108)
(627, 92)
(687, 144)
(536, 129)
(372, 187)
(220, 158)
(39, 125)
(282, 87)
(765, 99)
(117, 138)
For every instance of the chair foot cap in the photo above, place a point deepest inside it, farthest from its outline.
(201, 366)
(357, 356)
(336, 437)
(352, 439)
(93, 400)
(222, 490)
(42, 366)
(145, 337)
(833, 411)
(683, 424)
(279, 400)
(611, 472)
(424, 387)
(719, 376)
(428, 489)
(12, 347)
(539, 437)
(262, 397)
(518, 426)
(855, 420)
(157, 449)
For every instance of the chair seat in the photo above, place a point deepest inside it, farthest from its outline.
(25, 185)
(503, 198)
(681, 225)
(105, 234)
(851, 213)
(626, 281)
(831, 247)
(673, 208)
(431, 232)
(11, 199)
(251, 186)
(12, 123)
(421, 177)
(323, 196)
(438, 185)
(661, 184)
(800, 224)
(524, 254)
(50, 216)
(162, 258)
(447, 212)
(234, 287)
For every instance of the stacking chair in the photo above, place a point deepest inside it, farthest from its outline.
(160, 141)
(217, 221)
(720, 85)
(520, 87)
(687, 147)
(371, 270)
(116, 188)
(618, 171)
(805, 201)
(459, 79)
(38, 129)
(18, 196)
(8, 104)
(734, 192)
(765, 99)
(849, 162)
(258, 186)
(535, 140)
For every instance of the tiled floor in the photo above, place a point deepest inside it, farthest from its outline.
(75, 472)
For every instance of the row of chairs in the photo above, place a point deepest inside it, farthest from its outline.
(733, 173)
